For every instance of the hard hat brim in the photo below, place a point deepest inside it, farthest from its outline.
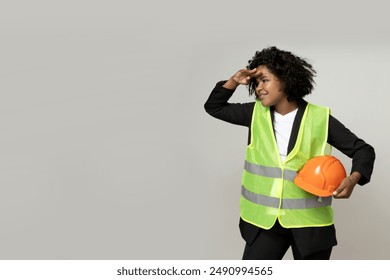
(311, 189)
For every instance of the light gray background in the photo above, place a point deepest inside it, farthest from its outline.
(106, 151)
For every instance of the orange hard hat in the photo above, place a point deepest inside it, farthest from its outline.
(321, 175)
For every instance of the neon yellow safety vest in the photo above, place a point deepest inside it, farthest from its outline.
(268, 191)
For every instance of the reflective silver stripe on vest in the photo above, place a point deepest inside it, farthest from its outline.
(287, 203)
(290, 175)
(271, 172)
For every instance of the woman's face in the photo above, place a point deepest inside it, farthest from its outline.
(269, 88)
(270, 91)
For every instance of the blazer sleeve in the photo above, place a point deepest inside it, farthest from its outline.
(362, 154)
(217, 105)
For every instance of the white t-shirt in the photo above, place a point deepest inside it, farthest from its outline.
(283, 126)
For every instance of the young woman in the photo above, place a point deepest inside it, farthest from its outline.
(285, 131)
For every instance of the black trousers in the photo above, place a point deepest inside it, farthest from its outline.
(273, 244)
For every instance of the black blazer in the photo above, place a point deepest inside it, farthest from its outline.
(309, 239)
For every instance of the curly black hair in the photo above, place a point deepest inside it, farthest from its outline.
(296, 75)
